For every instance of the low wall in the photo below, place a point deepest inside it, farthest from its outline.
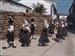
(18, 21)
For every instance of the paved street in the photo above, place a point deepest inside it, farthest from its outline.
(64, 48)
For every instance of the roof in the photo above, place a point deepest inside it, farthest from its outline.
(19, 4)
(50, 0)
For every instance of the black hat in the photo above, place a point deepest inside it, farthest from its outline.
(32, 20)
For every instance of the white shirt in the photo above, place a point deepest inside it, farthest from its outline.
(46, 23)
(28, 28)
(11, 28)
(62, 25)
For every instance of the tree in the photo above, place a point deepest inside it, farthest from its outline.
(71, 16)
(39, 8)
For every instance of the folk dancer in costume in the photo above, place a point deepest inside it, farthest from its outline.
(10, 34)
(51, 29)
(32, 28)
(10, 37)
(60, 32)
(43, 40)
(24, 35)
(64, 26)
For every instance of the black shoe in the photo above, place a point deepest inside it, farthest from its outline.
(34, 38)
(23, 45)
(39, 45)
(27, 45)
(43, 45)
(63, 38)
(13, 46)
(20, 41)
(4, 47)
(56, 40)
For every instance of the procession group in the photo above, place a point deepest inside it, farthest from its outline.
(27, 32)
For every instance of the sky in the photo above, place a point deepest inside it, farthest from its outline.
(61, 5)
(30, 3)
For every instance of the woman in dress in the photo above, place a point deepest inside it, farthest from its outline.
(43, 40)
(51, 29)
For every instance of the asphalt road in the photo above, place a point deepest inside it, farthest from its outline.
(64, 48)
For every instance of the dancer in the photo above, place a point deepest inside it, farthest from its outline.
(51, 29)
(43, 40)
(24, 35)
(10, 35)
(32, 28)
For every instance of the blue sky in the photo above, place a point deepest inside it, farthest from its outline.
(63, 6)
(30, 3)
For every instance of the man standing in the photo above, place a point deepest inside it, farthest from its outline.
(32, 28)
(10, 34)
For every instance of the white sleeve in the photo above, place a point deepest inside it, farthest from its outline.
(12, 28)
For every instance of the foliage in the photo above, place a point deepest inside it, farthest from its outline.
(39, 8)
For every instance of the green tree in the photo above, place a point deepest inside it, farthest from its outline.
(39, 8)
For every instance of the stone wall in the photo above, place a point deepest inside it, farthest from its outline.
(18, 21)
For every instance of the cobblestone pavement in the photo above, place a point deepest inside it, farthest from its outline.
(64, 48)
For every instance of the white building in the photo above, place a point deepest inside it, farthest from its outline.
(13, 6)
(63, 16)
(30, 3)
(53, 4)
(62, 12)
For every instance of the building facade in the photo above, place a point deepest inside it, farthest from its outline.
(10, 6)
(13, 6)
(62, 5)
